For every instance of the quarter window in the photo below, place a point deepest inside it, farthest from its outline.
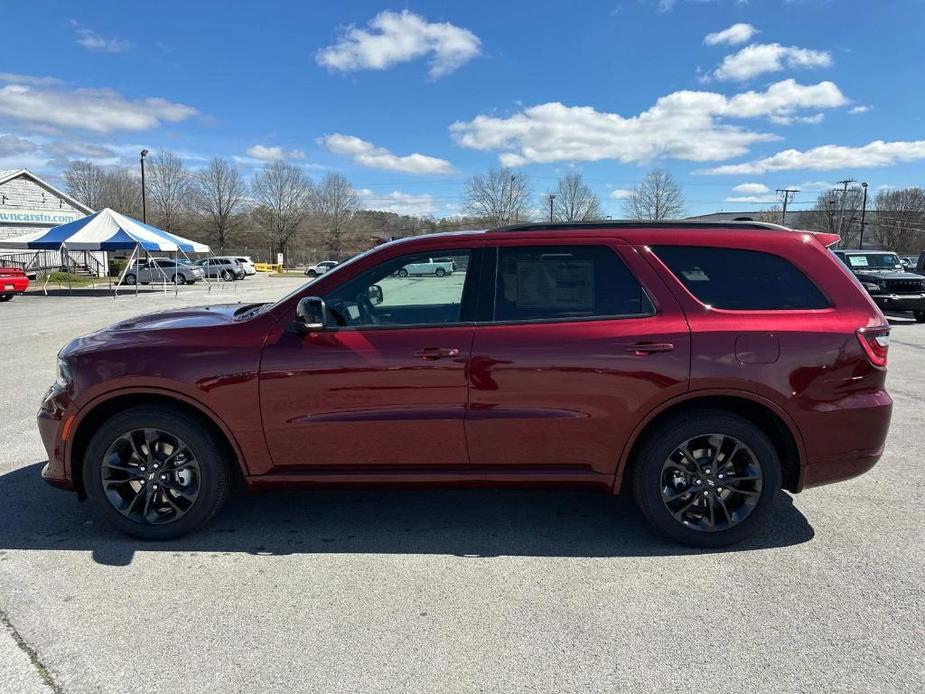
(731, 278)
(542, 283)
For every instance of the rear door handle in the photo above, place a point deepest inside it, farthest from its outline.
(437, 352)
(644, 348)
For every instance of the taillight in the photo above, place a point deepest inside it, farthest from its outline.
(876, 344)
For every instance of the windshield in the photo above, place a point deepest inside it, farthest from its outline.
(874, 261)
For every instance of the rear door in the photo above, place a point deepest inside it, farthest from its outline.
(580, 340)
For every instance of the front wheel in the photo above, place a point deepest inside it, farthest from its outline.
(156, 474)
(919, 316)
(706, 479)
(227, 275)
(403, 272)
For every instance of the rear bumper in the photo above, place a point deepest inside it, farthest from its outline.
(900, 302)
(846, 440)
(13, 286)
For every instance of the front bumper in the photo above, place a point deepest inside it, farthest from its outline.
(900, 302)
(52, 417)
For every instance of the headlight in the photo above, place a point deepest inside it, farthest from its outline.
(871, 286)
(65, 378)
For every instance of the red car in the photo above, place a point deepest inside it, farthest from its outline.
(12, 281)
(701, 367)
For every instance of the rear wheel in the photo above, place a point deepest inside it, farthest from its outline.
(130, 279)
(440, 272)
(6, 297)
(706, 479)
(919, 316)
(156, 474)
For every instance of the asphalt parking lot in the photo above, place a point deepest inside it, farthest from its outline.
(448, 591)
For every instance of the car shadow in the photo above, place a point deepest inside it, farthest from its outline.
(479, 522)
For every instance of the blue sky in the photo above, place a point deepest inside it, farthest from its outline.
(409, 100)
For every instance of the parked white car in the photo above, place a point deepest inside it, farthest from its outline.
(438, 268)
(320, 268)
(244, 260)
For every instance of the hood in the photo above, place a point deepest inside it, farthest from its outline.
(886, 274)
(196, 317)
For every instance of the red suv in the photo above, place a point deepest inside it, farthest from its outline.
(702, 367)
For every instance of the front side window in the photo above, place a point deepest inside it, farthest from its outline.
(416, 289)
(543, 283)
(737, 279)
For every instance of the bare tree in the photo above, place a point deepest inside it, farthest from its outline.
(335, 202)
(219, 191)
(168, 188)
(771, 214)
(499, 197)
(575, 201)
(657, 196)
(86, 182)
(122, 191)
(283, 194)
(836, 212)
(900, 224)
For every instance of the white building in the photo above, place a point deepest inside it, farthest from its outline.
(29, 204)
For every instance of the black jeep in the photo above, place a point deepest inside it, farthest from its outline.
(891, 287)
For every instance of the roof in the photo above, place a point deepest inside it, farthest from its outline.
(637, 224)
(9, 174)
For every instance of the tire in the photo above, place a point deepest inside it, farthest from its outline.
(6, 297)
(179, 278)
(440, 272)
(209, 482)
(129, 279)
(227, 275)
(919, 316)
(311, 273)
(403, 272)
(750, 500)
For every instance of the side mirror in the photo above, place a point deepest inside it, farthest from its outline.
(375, 294)
(311, 315)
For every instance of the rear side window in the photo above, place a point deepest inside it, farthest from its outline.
(537, 283)
(736, 279)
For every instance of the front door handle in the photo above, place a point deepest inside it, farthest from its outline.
(437, 352)
(643, 348)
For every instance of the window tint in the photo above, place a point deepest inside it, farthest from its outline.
(565, 282)
(731, 278)
(417, 289)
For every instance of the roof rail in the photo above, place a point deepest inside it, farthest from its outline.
(637, 224)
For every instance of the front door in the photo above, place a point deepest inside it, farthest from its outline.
(386, 384)
(581, 341)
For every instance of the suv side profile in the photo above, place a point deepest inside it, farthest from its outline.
(700, 367)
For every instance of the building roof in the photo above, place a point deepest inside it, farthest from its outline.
(8, 174)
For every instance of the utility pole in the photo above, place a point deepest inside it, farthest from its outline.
(863, 215)
(144, 207)
(844, 197)
(786, 192)
(552, 197)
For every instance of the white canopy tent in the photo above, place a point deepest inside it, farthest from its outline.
(108, 230)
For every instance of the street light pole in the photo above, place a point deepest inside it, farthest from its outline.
(552, 197)
(144, 206)
(863, 215)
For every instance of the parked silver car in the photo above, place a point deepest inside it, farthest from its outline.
(321, 268)
(161, 269)
(246, 263)
(227, 269)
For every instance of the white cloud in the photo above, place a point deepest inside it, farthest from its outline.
(813, 186)
(400, 37)
(751, 188)
(49, 109)
(859, 109)
(16, 78)
(367, 154)
(621, 194)
(688, 125)
(11, 145)
(93, 41)
(420, 205)
(760, 58)
(752, 199)
(830, 157)
(264, 153)
(814, 119)
(80, 150)
(737, 33)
